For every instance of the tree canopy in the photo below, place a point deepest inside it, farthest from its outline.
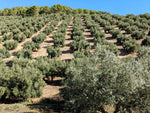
(35, 10)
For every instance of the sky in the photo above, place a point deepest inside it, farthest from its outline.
(121, 7)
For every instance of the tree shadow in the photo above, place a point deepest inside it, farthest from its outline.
(66, 51)
(123, 52)
(54, 82)
(48, 106)
(11, 100)
(110, 38)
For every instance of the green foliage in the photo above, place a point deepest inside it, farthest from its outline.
(19, 38)
(81, 53)
(109, 47)
(99, 40)
(40, 38)
(78, 38)
(131, 29)
(86, 11)
(108, 29)
(115, 33)
(146, 41)
(123, 25)
(25, 53)
(103, 79)
(144, 53)
(31, 46)
(53, 52)
(7, 37)
(138, 35)
(28, 33)
(79, 45)
(99, 34)
(32, 11)
(4, 53)
(44, 10)
(51, 67)
(122, 38)
(131, 46)
(77, 33)
(59, 39)
(57, 8)
(20, 82)
(10, 45)
(49, 30)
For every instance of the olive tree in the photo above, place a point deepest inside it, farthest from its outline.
(103, 79)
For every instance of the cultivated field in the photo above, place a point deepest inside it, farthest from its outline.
(78, 33)
(42, 55)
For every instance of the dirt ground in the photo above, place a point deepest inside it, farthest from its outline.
(48, 42)
(123, 53)
(88, 37)
(67, 54)
(20, 45)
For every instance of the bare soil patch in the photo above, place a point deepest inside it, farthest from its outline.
(20, 45)
(48, 42)
(88, 36)
(67, 54)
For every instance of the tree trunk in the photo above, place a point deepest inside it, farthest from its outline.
(52, 78)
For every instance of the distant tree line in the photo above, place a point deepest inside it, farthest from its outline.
(35, 10)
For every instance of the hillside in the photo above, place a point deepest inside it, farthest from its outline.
(74, 61)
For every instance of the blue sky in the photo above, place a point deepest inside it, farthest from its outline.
(121, 7)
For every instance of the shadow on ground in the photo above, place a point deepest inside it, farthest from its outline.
(48, 106)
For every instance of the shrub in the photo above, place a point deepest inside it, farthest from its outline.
(28, 33)
(130, 29)
(144, 54)
(25, 53)
(99, 34)
(123, 25)
(40, 38)
(94, 29)
(53, 52)
(59, 39)
(138, 34)
(82, 44)
(108, 29)
(31, 45)
(99, 40)
(115, 33)
(19, 82)
(78, 38)
(77, 33)
(113, 48)
(49, 30)
(19, 38)
(7, 37)
(16, 31)
(4, 53)
(122, 38)
(11, 45)
(51, 67)
(131, 46)
(81, 54)
(146, 41)
(78, 28)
